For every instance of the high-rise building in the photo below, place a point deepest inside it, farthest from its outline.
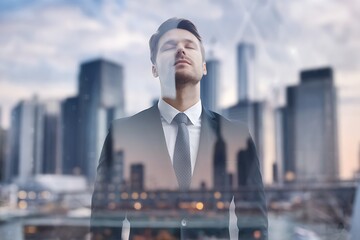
(311, 127)
(209, 85)
(289, 137)
(3, 141)
(252, 114)
(279, 145)
(243, 160)
(220, 174)
(26, 140)
(110, 182)
(2, 149)
(245, 110)
(52, 138)
(71, 161)
(137, 177)
(245, 70)
(101, 99)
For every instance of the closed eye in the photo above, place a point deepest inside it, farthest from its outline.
(168, 46)
(190, 46)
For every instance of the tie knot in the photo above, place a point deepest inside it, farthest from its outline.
(181, 118)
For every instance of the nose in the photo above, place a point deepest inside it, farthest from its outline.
(180, 52)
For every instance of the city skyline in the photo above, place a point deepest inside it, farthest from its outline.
(36, 65)
(53, 109)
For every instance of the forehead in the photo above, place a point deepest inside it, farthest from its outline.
(177, 35)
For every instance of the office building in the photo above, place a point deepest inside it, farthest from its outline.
(221, 177)
(252, 114)
(71, 162)
(101, 99)
(3, 141)
(137, 172)
(26, 141)
(245, 70)
(311, 128)
(243, 161)
(288, 134)
(209, 85)
(52, 138)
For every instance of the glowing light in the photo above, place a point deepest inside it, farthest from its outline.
(199, 206)
(143, 195)
(22, 204)
(22, 194)
(31, 229)
(220, 205)
(290, 176)
(135, 195)
(137, 206)
(257, 234)
(217, 195)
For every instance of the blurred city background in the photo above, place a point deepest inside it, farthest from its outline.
(289, 69)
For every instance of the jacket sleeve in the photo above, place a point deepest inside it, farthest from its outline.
(102, 225)
(250, 202)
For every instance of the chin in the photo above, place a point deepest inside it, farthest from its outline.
(184, 79)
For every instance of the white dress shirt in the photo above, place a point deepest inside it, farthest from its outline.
(168, 113)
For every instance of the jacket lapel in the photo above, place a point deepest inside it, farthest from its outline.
(203, 171)
(161, 169)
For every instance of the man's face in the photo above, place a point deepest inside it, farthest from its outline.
(179, 59)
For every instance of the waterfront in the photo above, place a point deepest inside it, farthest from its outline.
(282, 226)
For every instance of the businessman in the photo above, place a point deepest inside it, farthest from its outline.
(172, 171)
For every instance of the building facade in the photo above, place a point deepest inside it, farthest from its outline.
(101, 99)
(26, 140)
(209, 85)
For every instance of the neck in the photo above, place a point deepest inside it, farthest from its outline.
(186, 97)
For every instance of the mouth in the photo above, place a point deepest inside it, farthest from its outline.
(182, 61)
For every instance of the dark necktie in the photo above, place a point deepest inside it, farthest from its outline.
(181, 160)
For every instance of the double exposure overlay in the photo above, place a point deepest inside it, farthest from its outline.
(179, 120)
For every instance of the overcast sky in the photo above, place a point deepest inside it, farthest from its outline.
(43, 42)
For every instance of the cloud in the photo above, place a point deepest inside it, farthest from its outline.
(44, 42)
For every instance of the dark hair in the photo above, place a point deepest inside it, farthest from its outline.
(172, 23)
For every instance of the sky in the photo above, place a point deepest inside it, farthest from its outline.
(43, 43)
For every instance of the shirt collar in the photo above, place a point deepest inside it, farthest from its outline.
(168, 112)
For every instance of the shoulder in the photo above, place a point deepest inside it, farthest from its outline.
(136, 119)
(227, 125)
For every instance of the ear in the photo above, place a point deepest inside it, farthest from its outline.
(204, 68)
(154, 71)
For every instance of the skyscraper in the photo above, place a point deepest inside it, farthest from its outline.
(137, 177)
(243, 161)
(289, 137)
(280, 132)
(252, 114)
(220, 174)
(26, 140)
(245, 110)
(101, 99)
(312, 127)
(209, 85)
(245, 70)
(71, 161)
(3, 141)
(52, 140)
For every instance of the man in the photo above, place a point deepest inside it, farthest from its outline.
(173, 170)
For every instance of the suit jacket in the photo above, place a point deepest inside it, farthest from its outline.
(136, 180)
